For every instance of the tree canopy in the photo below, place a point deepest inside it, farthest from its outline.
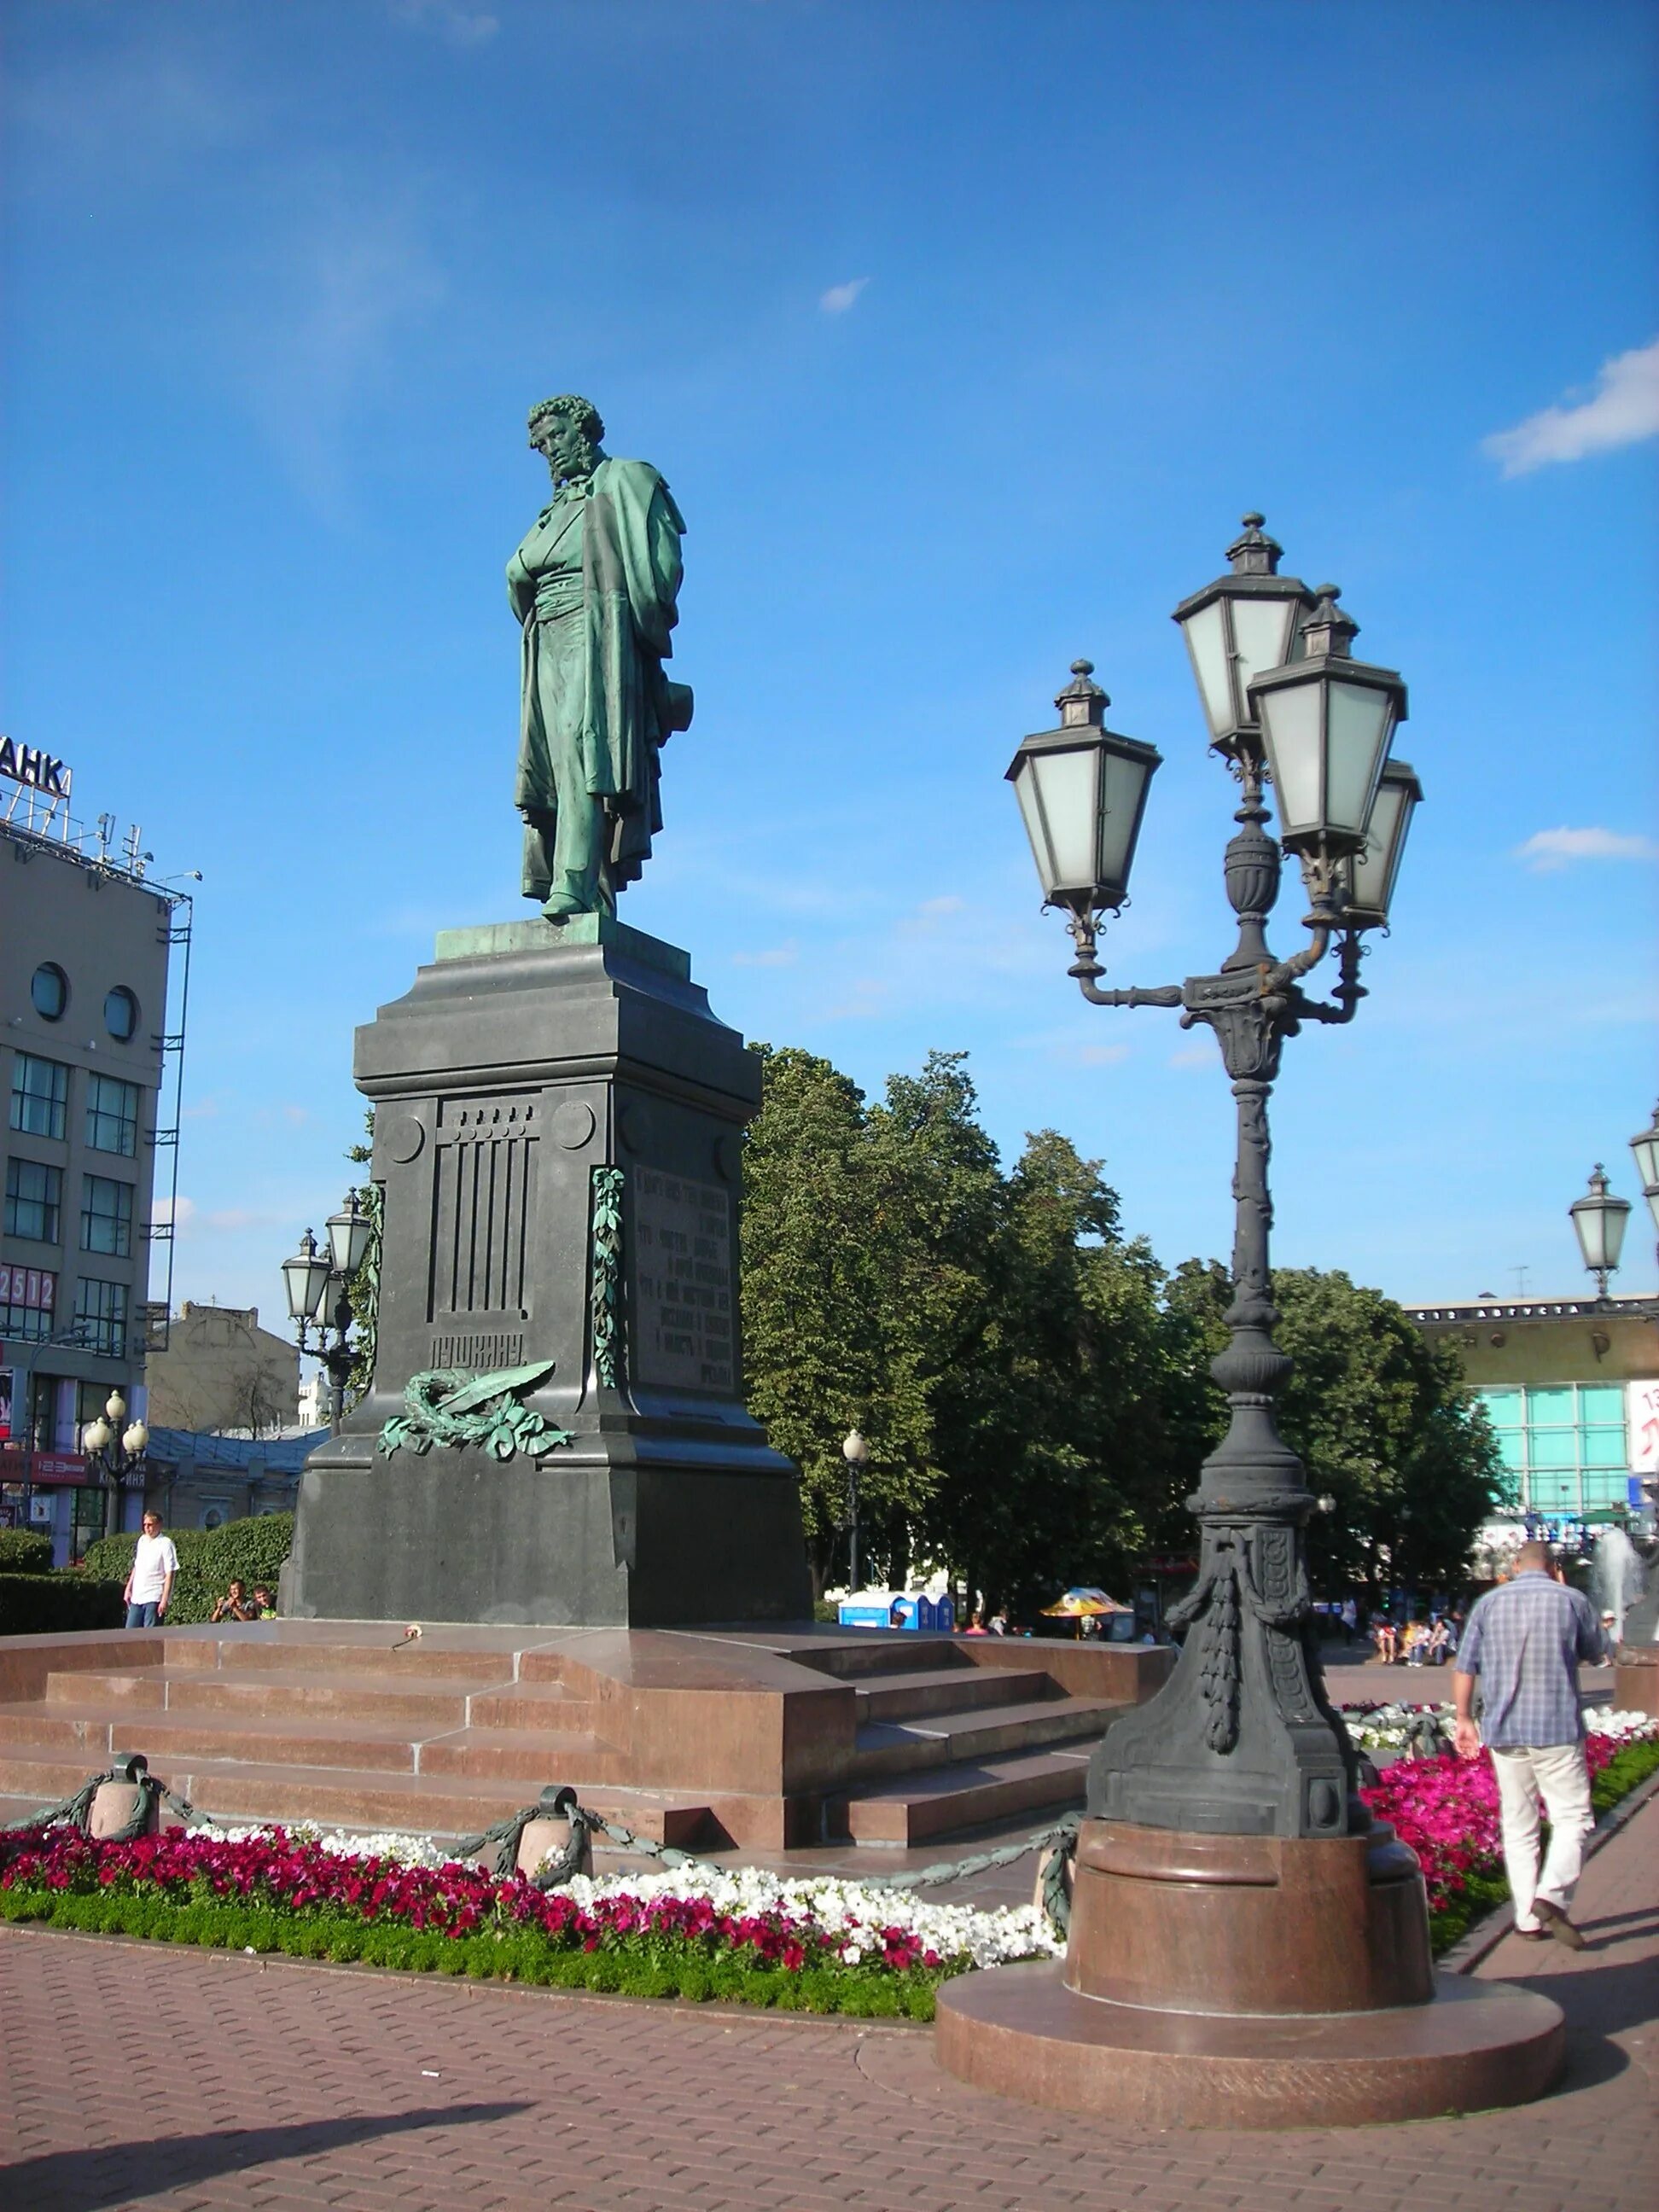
(1033, 1388)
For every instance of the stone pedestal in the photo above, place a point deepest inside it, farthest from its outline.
(557, 1126)
(1636, 1679)
(1217, 1980)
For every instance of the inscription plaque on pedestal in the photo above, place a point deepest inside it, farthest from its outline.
(682, 1331)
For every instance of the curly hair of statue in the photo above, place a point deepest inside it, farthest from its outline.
(572, 408)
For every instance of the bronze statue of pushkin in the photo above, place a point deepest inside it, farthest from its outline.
(594, 586)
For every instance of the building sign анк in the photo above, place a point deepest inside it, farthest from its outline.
(28, 764)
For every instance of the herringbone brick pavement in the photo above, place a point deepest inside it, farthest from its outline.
(140, 2076)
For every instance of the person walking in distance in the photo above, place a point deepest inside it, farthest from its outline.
(1523, 1643)
(149, 1585)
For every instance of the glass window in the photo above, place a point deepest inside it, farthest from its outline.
(34, 1196)
(40, 1096)
(1504, 1408)
(49, 989)
(28, 1298)
(120, 1013)
(111, 1115)
(101, 1309)
(1602, 1403)
(106, 1215)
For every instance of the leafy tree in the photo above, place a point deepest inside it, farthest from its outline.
(823, 1256)
(1381, 1424)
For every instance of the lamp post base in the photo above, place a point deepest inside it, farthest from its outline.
(1019, 2032)
(1247, 1981)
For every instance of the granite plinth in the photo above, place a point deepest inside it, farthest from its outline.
(1020, 2033)
(1636, 1679)
(558, 1119)
(1258, 1924)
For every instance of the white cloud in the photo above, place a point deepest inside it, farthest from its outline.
(1548, 850)
(1102, 1056)
(840, 297)
(458, 25)
(1193, 1055)
(775, 956)
(179, 1212)
(1623, 410)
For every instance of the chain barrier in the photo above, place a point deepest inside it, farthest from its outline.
(559, 1803)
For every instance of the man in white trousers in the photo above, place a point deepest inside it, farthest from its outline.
(1523, 1643)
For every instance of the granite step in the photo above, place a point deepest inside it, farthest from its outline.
(538, 1705)
(940, 1739)
(441, 1652)
(533, 1757)
(946, 1799)
(144, 1687)
(432, 1707)
(882, 1651)
(950, 1689)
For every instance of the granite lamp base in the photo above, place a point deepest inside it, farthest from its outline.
(1019, 2032)
(1247, 1981)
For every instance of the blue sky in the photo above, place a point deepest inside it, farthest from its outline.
(964, 333)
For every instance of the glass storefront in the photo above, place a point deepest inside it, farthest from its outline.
(1564, 1446)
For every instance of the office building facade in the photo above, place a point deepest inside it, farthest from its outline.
(85, 944)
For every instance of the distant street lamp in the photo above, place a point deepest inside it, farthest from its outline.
(115, 1454)
(856, 1453)
(1287, 705)
(1645, 1149)
(1601, 1221)
(319, 1283)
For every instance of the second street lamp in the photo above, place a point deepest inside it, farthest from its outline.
(319, 1286)
(118, 1455)
(1601, 1220)
(856, 1453)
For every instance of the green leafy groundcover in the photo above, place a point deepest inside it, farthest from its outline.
(272, 1892)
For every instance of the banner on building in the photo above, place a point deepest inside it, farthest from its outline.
(1641, 1421)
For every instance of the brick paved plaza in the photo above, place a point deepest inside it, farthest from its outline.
(149, 2077)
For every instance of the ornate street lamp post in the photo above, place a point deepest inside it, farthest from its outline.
(1247, 1945)
(117, 1455)
(319, 1284)
(1241, 1740)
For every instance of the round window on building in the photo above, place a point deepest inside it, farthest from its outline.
(120, 1013)
(49, 988)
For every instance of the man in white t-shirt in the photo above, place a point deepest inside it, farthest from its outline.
(154, 1562)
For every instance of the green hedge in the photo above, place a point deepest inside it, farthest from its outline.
(48, 1605)
(25, 1551)
(254, 1549)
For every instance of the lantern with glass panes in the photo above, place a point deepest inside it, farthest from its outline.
(317, 1282)
(1289, 708)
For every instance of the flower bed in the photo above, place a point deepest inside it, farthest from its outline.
(1385, 1728)
(698, 1932)
(1446, 1808)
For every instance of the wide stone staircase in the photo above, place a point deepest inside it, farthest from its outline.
(752, 1738)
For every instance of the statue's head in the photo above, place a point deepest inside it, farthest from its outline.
(568, 430)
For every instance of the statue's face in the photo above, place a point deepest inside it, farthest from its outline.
(569, 452)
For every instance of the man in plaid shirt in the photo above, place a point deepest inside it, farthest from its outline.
(1524, 1641)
